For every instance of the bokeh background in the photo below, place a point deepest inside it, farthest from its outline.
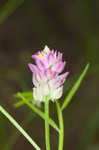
(71, 27)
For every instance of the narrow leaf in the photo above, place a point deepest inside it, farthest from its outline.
(23, 132)
(74, 88)
(18, 104)
(28, 96)
(39, 112)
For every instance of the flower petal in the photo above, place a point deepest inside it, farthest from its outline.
(40, 64)
(32, 67)
(51, 59)
(59, 57)
(59, 66)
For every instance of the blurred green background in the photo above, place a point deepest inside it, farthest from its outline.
(71, 27)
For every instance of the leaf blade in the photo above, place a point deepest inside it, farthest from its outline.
(28, 96)
(39, 112)
(23, 132)
(18, 104)
(74, 88)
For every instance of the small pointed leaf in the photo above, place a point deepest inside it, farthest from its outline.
(74, 88)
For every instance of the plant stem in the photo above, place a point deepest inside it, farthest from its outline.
(39, 112)
(61, 126)
(10, 143)
(47, 134)
(23, 132)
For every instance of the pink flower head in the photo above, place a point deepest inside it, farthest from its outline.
(46, 74)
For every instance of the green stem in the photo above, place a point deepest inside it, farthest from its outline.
(10, 143)
(47, 134)
(61, 126)
(39, 112)
(23, 132)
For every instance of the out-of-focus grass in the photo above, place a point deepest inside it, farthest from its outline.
(9, 7)
(90, 132)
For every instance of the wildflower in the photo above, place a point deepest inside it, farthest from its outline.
(46, 74)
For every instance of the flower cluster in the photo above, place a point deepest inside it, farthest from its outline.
(46, 78)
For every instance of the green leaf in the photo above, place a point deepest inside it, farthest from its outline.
(38, 111)
(27, 95)
(23, 132)
(9, 7)
(18, 104)
(74, 88)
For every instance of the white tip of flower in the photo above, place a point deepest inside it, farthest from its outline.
(40, 92)
(37, 94)
(57, 93)
(45, 89)
(46, 49)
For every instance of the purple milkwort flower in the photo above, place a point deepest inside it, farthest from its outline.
(46, 75)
